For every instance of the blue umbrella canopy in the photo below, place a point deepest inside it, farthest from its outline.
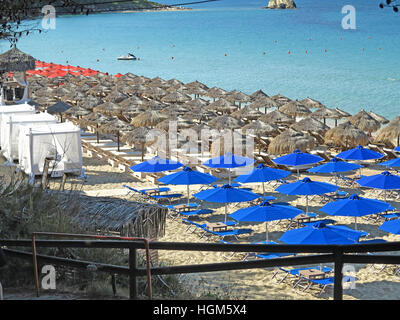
(156, 164)
(265, 212)
(297, 158)
(393, 163)
(262, 174)
(226, 194)
(320, 233)
(187, 176)
(391, 226)
(397, 149)
(355, 206)
(335, 165)
(228, 161)
(306, 187)
(359, 153)
(384, 181)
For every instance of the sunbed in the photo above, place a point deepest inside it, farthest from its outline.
(167, 196)
(295, 272)
(324, 283)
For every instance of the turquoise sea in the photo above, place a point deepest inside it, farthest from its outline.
(234, 44)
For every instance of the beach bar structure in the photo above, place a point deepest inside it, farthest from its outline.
(10, 127)
(60, 143)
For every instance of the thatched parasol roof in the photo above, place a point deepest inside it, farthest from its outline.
(225, 122)
(196, 84)
(148, 119)
(116, 96)
(258, 94)
(326, 113)
(130, 218)
(281, 99)
(154, 105)
(115, 126)
(16, 60)
(378, 117)
(94, 118)
(77, 111)
(294, 108)
(215, 92)
(59, 107)
(196, 103)
(344, 113)
(176, 97)
(346, 134)
(390, 132)
(109, 108)
(197, 91)
(311, 103)
(132, 101)
(310, 124)
(237, 96)
(180, 122)
(261, 128)
(248, 113)
(290, 140)
(221, 105)
(277, 117)
(264, 102)
(90, 102)
(365, 122)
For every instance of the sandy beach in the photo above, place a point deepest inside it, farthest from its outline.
(104, 180)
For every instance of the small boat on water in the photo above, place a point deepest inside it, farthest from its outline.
(129, 56)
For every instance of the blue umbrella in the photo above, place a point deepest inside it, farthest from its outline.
(397, 149)
(391, 226)
(226, 194)
(335, 165)
(393, 163)
(306, 187)
(320, 233)
(384, 181)
(228, 161)
(262, 174)
(187, 176)
(156, 164)
(355, 206)
(265, 212)
(359, 153)
(297, 158)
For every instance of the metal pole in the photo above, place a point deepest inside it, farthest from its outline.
(35, 266)
(338, 278)
(132, 274)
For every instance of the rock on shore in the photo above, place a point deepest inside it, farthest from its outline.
(281, 4)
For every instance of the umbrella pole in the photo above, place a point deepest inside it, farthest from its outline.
(263, 188)
(298, 174)
(306, 204)
(266, 231)
(229, 176)
(188, 195)
(355, 223)
(226, 212)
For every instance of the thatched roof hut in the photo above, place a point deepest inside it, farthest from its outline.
(290, 140)
(310, 124)
(129, 218)
(390, 133)
(16, 60)
(346, 135)
(365, 122)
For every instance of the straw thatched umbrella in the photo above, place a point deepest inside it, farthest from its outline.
(137, 89)
(59, 108)
(154, 105)
(77, 112)
(365, 122)
(390, 132)
(258, 94)
(116, 96)
(132, 101)
(148, 119)
(346, 135)
(215, 93)
(157, 82)
(174, 82)
(94, 119)
(324, 113)
(343, 113)
(109, 108)
(176, 97)
(99, 90)
(199, 114)
(139, 136)
(180, 122)
(155, 93)
(378, 117)
(196, 91)
(115, 126)
(294, 108)
(264, 102)
(261, 128)
(16, 60)
(312, 103)
(221, 105)
(237, 96)
(90, 102)
(174, 110)
(247, 113)
(290, 140)
(196, 103)
(196, 84)
(281, 99)
(310, 124)
(277, 117)
(225, 122)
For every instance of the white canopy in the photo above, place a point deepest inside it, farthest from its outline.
(21, 109)
(60, 142)
(9, 130)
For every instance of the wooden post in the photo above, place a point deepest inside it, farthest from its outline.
(63, 181)
(132, 274)
(338, 285)
(45, 173)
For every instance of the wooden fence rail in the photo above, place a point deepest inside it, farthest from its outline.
(337, 254)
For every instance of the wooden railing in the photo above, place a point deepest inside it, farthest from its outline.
(336, 254)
